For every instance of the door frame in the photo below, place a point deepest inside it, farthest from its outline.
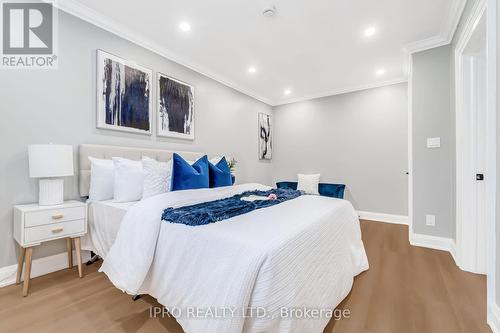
(464, 180)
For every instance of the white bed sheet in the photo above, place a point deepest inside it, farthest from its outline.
(104, 219)
(301, 253)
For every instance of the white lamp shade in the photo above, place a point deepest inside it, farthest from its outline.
(50, 161)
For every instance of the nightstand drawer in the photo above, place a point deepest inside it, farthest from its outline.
(53, 231)
(52, 216)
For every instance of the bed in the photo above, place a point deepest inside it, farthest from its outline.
(104, 219)
(249, 273)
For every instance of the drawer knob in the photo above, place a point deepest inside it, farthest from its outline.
(57, 216)
(56, 231)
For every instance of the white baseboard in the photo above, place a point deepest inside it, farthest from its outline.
(494, 318)
(381, 217)
(40, 267)
(433, 242)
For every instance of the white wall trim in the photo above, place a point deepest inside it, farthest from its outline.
(494, 317)
(488, 8)
(89, 15)
(446, 35)
(40, 267)
(344, 91)
(454, 14)
(382, 217)
(433, 242)
(425, 44)
(491, 49)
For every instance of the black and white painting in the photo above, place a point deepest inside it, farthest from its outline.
(265, 137)
(175, 108)
(124, 95)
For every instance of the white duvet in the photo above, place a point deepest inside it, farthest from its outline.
(244, 274)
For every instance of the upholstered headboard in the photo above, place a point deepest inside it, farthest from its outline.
(108, 152)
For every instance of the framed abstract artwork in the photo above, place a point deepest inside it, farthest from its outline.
(265, 137)
(175, 108)
(124, 95)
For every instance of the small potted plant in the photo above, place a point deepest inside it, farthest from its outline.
(232, 164)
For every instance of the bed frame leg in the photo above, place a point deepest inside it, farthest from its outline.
(94, 257)
(136, 297)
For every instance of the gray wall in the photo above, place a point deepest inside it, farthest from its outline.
(359, 139)
(433, 116)
(59, 106)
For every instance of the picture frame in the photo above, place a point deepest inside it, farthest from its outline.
(265, 136)
(124, 95)
(175, 108)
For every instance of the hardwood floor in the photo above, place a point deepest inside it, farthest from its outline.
(407, 289)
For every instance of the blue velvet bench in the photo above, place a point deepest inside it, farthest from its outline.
(327, 190)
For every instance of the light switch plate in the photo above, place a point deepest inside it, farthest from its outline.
(430, 220)
(433, 142)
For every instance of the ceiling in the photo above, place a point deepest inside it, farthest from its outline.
(311, 48)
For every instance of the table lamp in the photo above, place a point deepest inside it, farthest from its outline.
(49, 162)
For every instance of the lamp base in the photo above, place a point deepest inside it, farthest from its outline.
(51, 192)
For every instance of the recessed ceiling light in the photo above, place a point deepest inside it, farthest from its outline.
(184, 26)
(269, 11)
(369, 32)
(380, 71)
(287, 92)
(252, 69)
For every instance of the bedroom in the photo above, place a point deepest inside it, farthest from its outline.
(376, 120)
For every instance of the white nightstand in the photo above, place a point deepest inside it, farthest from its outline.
(34, 224)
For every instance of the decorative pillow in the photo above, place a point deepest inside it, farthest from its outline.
(308, 183)
(129, 180)
(219, 174)
(101, 179)
(157, 177)
(188, 177)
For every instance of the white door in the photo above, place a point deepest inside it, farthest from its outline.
(472, 234)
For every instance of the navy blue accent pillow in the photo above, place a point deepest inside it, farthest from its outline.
(324, 189)
(189, 177)
(219, 174)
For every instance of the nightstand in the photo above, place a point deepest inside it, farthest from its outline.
(35, 224)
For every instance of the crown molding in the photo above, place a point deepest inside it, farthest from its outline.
(451, 23)
(425, 44)
(89, 15)
(344, 91)
(447, 32)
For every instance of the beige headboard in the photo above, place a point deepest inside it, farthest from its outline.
(108, 152)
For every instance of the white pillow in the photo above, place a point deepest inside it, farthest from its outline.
(157, 177)
(308, 183)
(101, 179)
(129, 180)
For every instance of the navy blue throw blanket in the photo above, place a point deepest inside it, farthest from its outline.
(218, 210)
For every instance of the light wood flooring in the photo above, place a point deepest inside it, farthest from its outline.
(407, 289)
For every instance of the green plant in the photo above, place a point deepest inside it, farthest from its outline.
(232, 164)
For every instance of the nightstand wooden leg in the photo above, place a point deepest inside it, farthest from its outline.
(79, 256)
(27, 271)
(69, 247)
(20, 262)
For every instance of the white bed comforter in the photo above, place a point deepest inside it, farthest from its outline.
(243, 274)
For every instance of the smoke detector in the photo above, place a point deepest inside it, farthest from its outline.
(269, 11)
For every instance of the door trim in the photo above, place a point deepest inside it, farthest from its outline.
(488, 9)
